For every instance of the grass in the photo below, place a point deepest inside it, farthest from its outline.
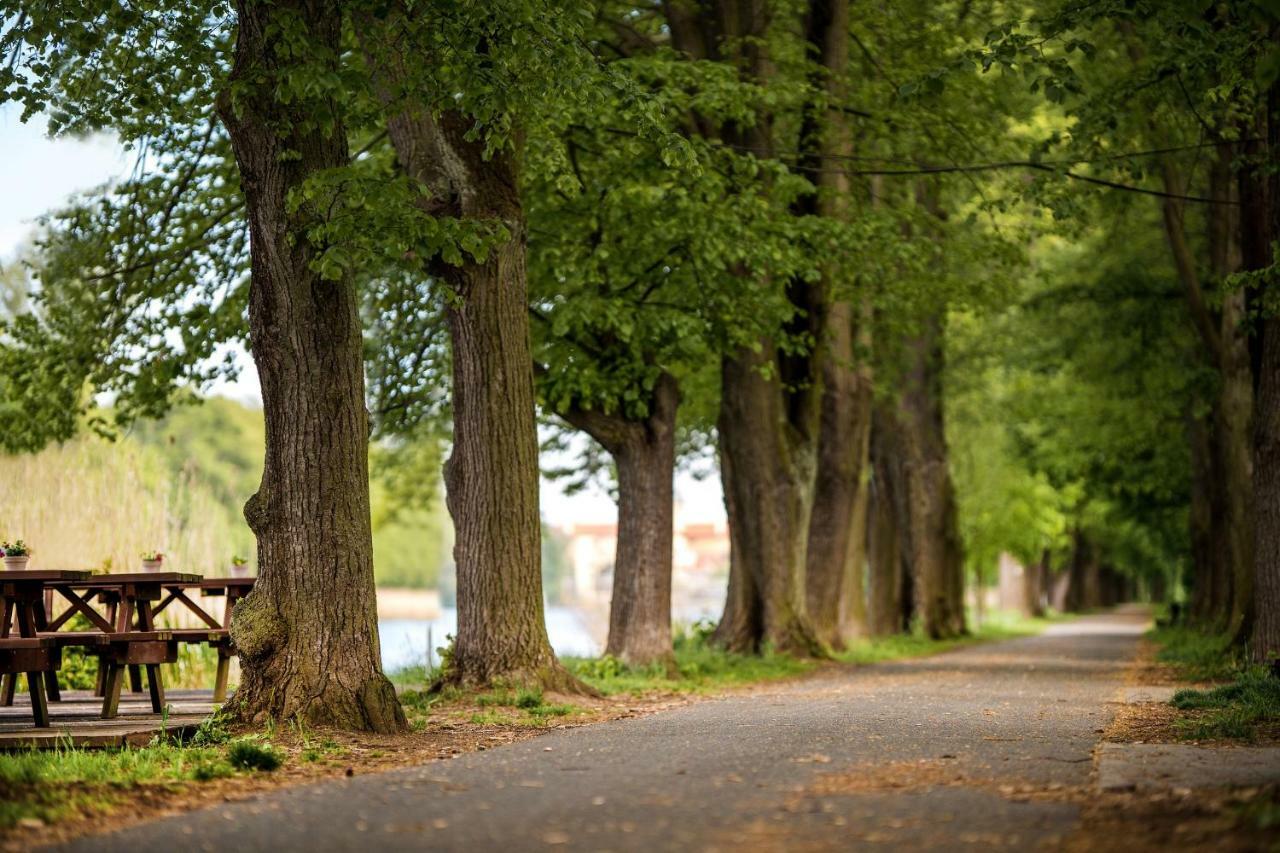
(1240, 707)
(1197, 655)
(56, 784)
(701, 667)
(1236, 710)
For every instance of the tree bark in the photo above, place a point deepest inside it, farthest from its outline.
(308, 634)
(491, 477)
(768, 418)
(1224, 605)
(1233, 411)
(889, 603)
(1266, 437)
(645, 455)
(932, 536)
(767, 468)
(835, 571)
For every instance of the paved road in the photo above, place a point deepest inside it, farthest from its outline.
(926, 754)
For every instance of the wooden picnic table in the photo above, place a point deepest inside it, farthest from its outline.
(125, 637)
(23, 593)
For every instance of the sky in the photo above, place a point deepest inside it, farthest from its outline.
(38, 173)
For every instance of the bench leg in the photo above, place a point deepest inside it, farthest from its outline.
(39, 707)
(111, 690)
(220, 676)
(51, 686)
(156, 687)
(135, 678)
(7, 687)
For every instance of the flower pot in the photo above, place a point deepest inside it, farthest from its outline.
(152, 565)
(238, 571)
(15, 564)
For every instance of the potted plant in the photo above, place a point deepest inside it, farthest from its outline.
(151, 561)
(16, 555)
(239, 567)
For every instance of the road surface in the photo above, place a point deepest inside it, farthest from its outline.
(970, 750)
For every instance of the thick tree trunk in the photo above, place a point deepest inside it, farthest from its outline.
(1078, 582)
(889, 605)
(767, 468)
(308, 634)
(837, 530)
(1233, 411)
(645, 455)
(1266, 437)
(1224, 603)
(491, 478)
(933, 540)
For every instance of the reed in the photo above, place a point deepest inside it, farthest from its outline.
(97, 504)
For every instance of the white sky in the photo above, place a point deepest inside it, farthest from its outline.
(38, 173)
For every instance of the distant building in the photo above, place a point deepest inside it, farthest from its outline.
(700, 564)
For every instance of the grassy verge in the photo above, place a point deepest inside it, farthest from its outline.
(502, 708)
(50, 785)
(703, 668)
(1244, 706)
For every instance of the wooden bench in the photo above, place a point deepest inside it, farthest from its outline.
(219, 639)
(117, 651)
(32, 656)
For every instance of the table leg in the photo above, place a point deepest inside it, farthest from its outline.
(111, 689)
(7, 689)
(135, 678)
(40, 614)
(155, 682)
(100, 688)
(156, 686)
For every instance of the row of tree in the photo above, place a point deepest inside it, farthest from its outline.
(768, 228)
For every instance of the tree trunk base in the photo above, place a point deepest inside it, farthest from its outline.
(550, 678)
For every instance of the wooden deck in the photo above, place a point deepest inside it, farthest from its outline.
(75, 719)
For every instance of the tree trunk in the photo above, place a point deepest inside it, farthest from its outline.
(491, 477)
(837, 530)
(1078, 583)
(1205, 561)
(932, 537)
(645, 455)
(888, 597)
(1233, 410)
(1224, 341)
(1266, 436)
(767, 468)
(1033, 586)
(308, 633)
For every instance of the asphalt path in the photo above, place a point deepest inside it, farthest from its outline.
(959, 751)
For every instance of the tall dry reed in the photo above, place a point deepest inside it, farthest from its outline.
(95, 504)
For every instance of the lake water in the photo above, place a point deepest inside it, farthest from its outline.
(404, 641)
